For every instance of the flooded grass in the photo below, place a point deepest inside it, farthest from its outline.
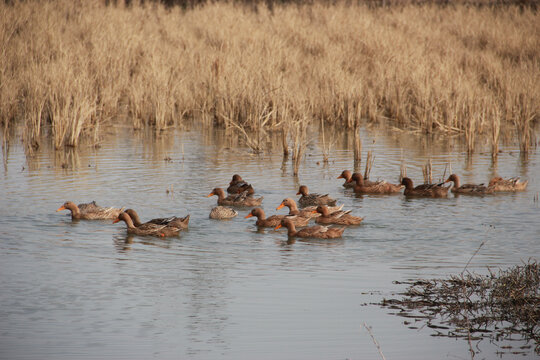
(503, 305)
(75, 67)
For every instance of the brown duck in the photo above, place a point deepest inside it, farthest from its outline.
(308, 199)
(318, 231)
(222, 213)
(235, 184)
(513, 184)
(305, 212)
(339, 217)
(235, 200)
(147, 228)
(467, 189)
(275, 220)
(379, 187)
(347, 175)
(90, 211)
(424, 190)
(181, 223)
(246, 188)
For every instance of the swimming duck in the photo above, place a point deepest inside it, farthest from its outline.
(426, 190)
(222, 212)
(379, 187)
(275, 220)
(513, 184)
(347, 175)
(470, 189)
(147, 228)
(339, 217)
(293, 209)
(305, 212)
(247, 188)
(90, 211)
(308, 199)
(235, 184)
(181, 223)
(318, 231)
(235, 200)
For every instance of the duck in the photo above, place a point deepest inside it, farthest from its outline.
(147, 228)
(308, 199)
(305, 212)
(235, 184)
(339, 217)
(379, 187)
(347, 175)
(181, 223)
(317, 231)
(468, 189)
(235, 200)
(274, 220)
(425, 190)
(246, 188)
(222, 212)
(499, 184)
(90, 211)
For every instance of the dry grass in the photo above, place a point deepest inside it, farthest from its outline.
(73, 66)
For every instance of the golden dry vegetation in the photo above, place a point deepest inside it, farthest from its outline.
(70, 68)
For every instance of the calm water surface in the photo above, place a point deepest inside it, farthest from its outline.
(72, 290)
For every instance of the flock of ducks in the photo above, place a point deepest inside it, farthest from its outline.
(321, 208)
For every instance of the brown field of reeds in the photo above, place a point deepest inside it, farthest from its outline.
(70, 68)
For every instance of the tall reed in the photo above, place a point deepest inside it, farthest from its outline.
(495, 132)
(369, 164)
(427, 171)
(357, 148)
(299, 139)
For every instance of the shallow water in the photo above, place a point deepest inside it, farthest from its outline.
(223, 289)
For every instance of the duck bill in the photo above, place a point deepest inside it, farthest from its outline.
(314, 212)
(115, 221)
(277, 227)
(211, 194)
(340, 177)
(61, 208)
(248, 216)
(280, 206)
(299, 193)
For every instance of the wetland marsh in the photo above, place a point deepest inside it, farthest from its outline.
(225, 289)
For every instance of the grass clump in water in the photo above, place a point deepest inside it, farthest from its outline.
(498, 306)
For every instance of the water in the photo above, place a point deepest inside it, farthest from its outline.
(223, 289)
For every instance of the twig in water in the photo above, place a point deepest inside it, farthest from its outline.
(326, 147)
(471, 350)
(427, 172)
(473, 255)
(448, 167)
(369, 163)
(374, 341)
(402, 168)
(357, 147)
(284, 142)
